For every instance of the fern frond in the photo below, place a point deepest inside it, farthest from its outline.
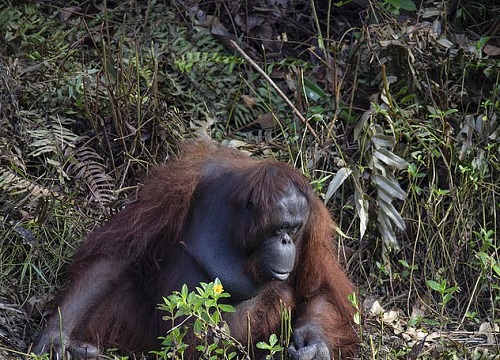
(88, 167)
(15, 184)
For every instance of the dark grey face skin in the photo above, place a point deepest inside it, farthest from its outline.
(279, 250)
(215, 250)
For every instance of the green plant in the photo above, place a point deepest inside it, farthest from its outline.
(200, 312)
(488, 261)
(355, 302)
(395, 6)
(273, 346)
(444, 291)
(407, 268)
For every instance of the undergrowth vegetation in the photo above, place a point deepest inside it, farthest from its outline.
(398, 132)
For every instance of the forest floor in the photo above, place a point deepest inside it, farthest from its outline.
(390, 108)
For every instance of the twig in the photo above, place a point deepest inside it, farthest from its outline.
(275, 87)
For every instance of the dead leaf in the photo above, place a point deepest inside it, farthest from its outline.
(67, 12)
(416, 350)
(412, 334)
(248, 101)
(445, 42)
(242, 146)
(489, 331)
(390, 317)
(419, 309)
(266, 121)
(372, 307)
(218, 29)
(491, 50)
(247, 23)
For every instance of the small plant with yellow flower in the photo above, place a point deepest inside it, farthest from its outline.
(198, 312)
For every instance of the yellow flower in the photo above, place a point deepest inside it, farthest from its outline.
(218, 289)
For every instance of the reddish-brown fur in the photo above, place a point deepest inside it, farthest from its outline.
(143, 239)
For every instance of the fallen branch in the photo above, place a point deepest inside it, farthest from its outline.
(275, 87)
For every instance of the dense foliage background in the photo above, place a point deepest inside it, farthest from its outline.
(389, 107)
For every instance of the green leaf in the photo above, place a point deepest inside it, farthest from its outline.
(434, 285)
(263, 345)
(452, 289)
(215, 318)
(407, 5)
(198, 326)
(496, 269)
(273, 339)
(447, 298)
(224, 295)
(357, 318)
(184, 291)
(227, 308)
(313, 91)
(191, 297)
(404, 263)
